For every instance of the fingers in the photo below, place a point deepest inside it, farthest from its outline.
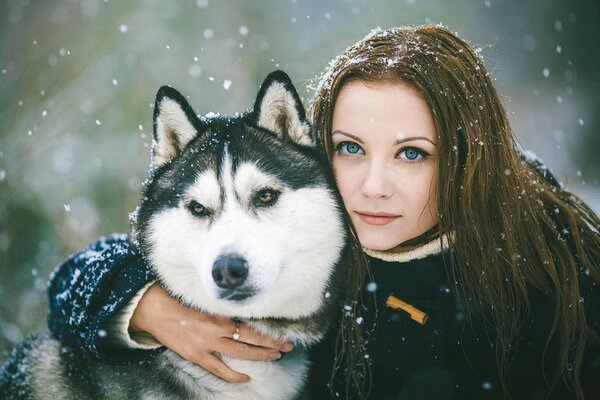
(244, 351)
(250, 336)
(215, 366)
(196, 335)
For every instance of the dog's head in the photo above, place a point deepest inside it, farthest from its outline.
(240, 215)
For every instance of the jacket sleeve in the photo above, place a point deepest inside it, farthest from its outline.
(89, 289)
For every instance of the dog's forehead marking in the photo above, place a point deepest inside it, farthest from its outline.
(227, 178)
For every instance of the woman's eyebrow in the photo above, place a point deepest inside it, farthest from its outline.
(397, 142)
(347, 134)
(408, 139)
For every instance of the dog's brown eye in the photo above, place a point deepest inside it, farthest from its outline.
(266, 197)
(197, 209)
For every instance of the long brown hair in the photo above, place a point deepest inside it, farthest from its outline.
(511, 228)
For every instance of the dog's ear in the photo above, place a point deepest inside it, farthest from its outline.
(175, 125)
(278, 109)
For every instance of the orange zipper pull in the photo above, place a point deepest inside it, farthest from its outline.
(415, 313)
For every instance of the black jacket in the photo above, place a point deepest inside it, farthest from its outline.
(449, 357)
(446, 358)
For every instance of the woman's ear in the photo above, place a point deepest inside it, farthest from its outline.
(278, 109)
(175, 125)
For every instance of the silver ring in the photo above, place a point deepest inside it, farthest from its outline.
(236, 334)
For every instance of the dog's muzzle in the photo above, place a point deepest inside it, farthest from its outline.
(230, 272)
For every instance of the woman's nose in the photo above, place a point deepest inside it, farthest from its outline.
(376, 183)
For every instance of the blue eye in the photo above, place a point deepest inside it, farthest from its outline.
(412, 154)
(349, 148)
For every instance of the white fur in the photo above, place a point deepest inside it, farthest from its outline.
(46, 370)
(279, 101)
(268, 380)
(171, 121)
(291, 247)
(206, 190)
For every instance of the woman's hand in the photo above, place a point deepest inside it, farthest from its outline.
(195, 335)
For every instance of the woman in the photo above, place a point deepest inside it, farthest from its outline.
(454, 222)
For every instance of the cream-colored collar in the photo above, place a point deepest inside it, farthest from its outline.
(408, 253)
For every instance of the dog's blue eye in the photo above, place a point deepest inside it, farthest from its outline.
(266, 197)
(197, 209)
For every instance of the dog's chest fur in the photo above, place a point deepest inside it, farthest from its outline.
(282, 379)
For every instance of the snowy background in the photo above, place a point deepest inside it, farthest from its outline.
(78, 78)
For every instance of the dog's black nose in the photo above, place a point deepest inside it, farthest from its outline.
(230, 271)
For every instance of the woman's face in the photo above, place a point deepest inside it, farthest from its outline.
(385, 162)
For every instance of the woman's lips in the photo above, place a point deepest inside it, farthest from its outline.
(379, 218)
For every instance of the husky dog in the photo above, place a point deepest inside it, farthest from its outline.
(240, 217)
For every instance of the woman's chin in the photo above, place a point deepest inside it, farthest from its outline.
(377, 242)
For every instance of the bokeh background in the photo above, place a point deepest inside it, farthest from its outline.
(78, 78)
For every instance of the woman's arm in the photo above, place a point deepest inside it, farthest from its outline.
(107, 290)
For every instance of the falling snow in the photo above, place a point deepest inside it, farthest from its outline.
(61, 85)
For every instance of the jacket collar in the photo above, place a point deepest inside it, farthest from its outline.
(407, 253)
